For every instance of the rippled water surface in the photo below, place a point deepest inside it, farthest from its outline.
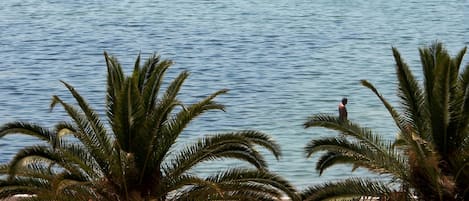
(281, 60)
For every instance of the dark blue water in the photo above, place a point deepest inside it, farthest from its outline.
(282, 60)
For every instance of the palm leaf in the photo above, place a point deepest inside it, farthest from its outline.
(342, 151)
(349, 189)
(216, 147)
(30, 129)
(348, 128)
(411, 96)
(153, 80)
(84, 128)
(98, 131)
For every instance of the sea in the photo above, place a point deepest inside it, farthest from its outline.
(282, 60)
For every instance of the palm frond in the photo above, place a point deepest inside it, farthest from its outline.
(40, 154)
(348, 128)
(216, 147)
(349, 189)
(411, 95)
(267, 179)
(159, 117)
(174, 126)
(243, 184)
(437, 78)
(153, 80)
(129, 118)
(182, 183)
(341, 151)
(115, 79)
(30, 129)
(80, 157)
(28, 186)
(187, 114)
(261, 139)
(398, 120)
(90, 141)
(97, 129)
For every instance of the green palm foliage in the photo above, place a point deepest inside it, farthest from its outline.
(429, 158)
(135, 156)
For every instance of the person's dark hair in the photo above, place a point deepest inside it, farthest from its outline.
(344, 100)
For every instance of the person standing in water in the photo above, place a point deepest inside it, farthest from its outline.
(343, 109)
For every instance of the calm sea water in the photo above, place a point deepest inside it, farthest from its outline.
(282, 60)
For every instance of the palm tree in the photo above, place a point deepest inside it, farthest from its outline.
(429, 158)
(134, 157)
(37, 175)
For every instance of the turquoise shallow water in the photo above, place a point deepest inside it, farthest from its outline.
(282, 60)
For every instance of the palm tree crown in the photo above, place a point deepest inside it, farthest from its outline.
(430, 156)
(134, 157)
